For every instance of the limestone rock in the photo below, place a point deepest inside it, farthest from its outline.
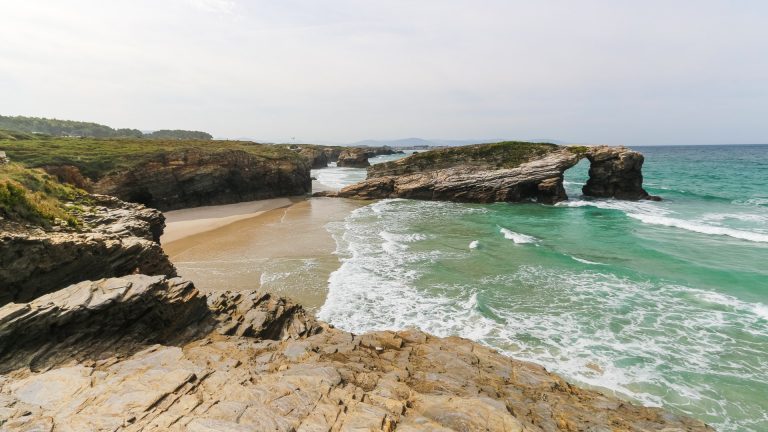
(145, 353)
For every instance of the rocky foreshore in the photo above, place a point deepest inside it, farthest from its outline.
(151, 353)
(502, 172)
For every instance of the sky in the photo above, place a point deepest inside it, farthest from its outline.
(642, 72)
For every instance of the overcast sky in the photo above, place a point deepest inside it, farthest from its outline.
(591, 71)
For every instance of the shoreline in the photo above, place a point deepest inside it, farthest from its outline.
(281, 247)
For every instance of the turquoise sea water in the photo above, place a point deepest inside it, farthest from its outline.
(664, 303)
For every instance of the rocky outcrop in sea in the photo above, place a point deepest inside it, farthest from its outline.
(502, 172)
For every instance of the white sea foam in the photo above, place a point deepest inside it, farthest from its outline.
(474, 244)
(700, 227)
(517, 237)
(654, 214)
(590, 326)
(584, 261)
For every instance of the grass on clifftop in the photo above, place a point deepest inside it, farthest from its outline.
(98, 157)
(506, 154)
(30, 195)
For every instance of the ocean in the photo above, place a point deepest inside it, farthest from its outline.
(661, 303)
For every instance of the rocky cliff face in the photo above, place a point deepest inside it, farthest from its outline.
(510, 172)
(146, 353)
(317, 157)
(117, 239)
(193, 178)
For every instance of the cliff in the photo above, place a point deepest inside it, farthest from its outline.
(152, 353)
(191, 178)
(508, 171)
(112, 238)
(167, 174)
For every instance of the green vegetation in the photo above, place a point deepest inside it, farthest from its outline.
(98, 157)
(507, 154)
(62, 128)
(28, 195)
(178, 134)
(578, 150)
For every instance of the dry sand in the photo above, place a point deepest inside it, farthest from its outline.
(191, 221)
(282, 246)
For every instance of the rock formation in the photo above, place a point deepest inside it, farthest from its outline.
(317, 157)
(117, 239)
(510, 172)
(146, 353)
(353, 158)
(615, 173)
(193, 178)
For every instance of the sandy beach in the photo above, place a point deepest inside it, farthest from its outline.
(280, 245)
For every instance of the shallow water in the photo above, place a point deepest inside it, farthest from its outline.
(665, 303)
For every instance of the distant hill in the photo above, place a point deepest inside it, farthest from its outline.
(64, 128)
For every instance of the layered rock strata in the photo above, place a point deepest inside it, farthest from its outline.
(501, 172)
(193, 178)
(116, 239)
(146, 353)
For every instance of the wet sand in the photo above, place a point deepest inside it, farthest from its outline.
(285, 250)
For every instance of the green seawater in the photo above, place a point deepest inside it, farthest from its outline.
(662, 303)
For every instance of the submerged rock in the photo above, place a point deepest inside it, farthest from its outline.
(117, 239)
(509, 171)
(146, 353)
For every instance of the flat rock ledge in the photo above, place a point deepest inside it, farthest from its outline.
(149, 353)
(485, 174)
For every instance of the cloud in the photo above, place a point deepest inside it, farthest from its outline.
(215, 6)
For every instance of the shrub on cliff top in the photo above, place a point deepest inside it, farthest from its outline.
(32, 196)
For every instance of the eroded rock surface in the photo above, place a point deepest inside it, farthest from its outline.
(354, 158)
(252, 362)
(117, 239)
(539, 179)
(615, 172)
(510, 172)
(193, 178)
